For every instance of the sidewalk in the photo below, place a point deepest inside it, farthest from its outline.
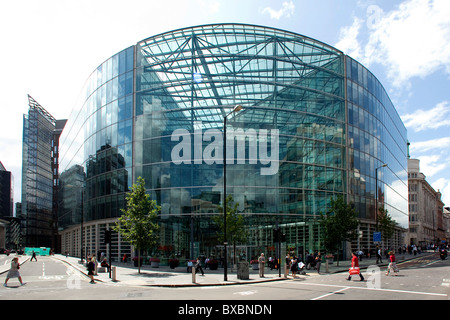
(163, 276)
(127, 274)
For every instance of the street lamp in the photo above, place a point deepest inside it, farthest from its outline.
(235, 109)
(376, 192)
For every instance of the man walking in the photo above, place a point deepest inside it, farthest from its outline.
(198, 266)
(379, 255)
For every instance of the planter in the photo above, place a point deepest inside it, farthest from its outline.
(135, 262)
(173, 263)
(213, 266)
(154, 262)
(330, 261)
(255, 266)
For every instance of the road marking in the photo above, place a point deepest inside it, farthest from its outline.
(374, 289)
(429, 264)
(247, 293)
(329, 294)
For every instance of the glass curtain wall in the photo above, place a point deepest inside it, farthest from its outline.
(377, 136)
(37, 184)
(315, 124)
(187, 81)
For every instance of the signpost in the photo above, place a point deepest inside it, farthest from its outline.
(377, 237)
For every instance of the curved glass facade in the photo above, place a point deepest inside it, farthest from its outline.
(315, 124)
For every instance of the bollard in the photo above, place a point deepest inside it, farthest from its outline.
(114, 274)
(193, 274)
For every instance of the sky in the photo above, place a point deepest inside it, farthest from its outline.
(50, 47)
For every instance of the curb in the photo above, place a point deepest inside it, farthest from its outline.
(21, 263)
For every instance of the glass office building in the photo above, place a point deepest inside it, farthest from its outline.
(40, 168)
(315, 124)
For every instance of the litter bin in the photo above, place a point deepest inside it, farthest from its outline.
(242, 270)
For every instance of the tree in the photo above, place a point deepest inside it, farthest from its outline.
(339, 224)
(137, 225)
(386, 224)
(236, 231)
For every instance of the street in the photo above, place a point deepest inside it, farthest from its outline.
(423, 278)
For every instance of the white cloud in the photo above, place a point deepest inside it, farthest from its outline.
(432, 164)
(287, 9)
(421, 120)
(429, 145)
(348, 41)
(410, 41)
(443, 185)
(211, 7)
(433, 156)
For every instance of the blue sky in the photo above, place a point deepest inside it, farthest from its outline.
(50, 47)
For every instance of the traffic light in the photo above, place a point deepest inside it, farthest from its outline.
(107, 236)
(276, 233)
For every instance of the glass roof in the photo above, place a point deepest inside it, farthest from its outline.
(206, 69)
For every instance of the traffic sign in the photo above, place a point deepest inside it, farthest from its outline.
(377, 237)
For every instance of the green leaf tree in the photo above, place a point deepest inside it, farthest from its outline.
(386, 224)
(236, 231)
(137, 224)
(339, 224)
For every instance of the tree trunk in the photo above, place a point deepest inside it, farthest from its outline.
(234, 253)
(139, 261)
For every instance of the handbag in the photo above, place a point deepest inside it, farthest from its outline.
(353, 271)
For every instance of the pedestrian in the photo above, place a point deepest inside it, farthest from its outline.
(91, 270)
(309, 260)
(294, 266)
(261, 262)
(33, 256)
(198, 266)
(318, 261)
(392, 265)
(379, 255)
(14, 272)
(94, 260)
(355, 264)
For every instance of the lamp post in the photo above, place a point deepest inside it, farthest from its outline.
(236, 109)
(376, 192)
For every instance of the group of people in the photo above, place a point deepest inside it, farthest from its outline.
(392, 266)
(294, 264)
(92, 266)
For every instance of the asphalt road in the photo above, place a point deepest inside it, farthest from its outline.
(419, 279)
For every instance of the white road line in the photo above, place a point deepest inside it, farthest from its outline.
(375, 289)
(329, 294)
(247, 293)
(429, 264)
